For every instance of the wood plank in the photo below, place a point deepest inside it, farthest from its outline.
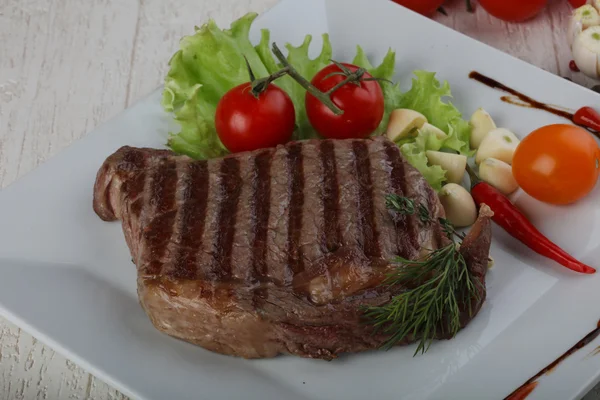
(163, 23)
(64, 68)
(66, 72)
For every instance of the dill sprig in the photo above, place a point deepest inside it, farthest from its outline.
(406, 206)
(439, 286)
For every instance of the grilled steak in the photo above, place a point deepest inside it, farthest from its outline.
(272, 251)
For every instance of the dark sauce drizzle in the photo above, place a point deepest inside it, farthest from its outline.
(523, 100)
(528, 387)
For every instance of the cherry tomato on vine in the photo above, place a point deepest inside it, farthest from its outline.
(557, 164)
(246, 122)
(513, 10)
(362, 103)
(425, 7)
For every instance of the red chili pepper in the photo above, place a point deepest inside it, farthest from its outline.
(517, 225)
(573, 66)
(588, 117)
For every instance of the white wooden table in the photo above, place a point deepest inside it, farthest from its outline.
(66, 66)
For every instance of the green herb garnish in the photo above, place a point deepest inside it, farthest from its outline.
(439, 287)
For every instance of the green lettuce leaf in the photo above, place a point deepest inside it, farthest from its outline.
(209, 63)
(427, 97)
(299, 59)
(385, 71)
(414, 151)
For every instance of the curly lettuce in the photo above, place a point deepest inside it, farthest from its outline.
(298, 57)
(385, 71)
(428, 96)
(211, 61)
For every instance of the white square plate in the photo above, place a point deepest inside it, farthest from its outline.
(67, 277)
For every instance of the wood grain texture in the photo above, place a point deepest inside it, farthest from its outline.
(541, 41)
(66, 66)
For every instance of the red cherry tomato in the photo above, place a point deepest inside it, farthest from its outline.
(425, 7)
(245, 122)
(362, 103)
(577, 3)
(513, 10)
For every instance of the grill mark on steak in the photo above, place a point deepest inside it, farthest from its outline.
(366, 218)
(230, 191)
(158, 231)
(192, 218)
(260, 211)
(164, 184)
(146, 207)
(133, 159)
(433, 204)
(331, 194)
(131, 200)
(407, 237)
(296, 170)
(134, 188)
(387, 234)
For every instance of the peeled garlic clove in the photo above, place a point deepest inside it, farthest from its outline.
(586, 51)
(458, 204)
(498, 174)
(595, 3)
(482, 124)
(403, 122)
(455, 165)
(500, 144)
(583, 18)
(437, 132)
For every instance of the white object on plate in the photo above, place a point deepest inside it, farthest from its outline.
(500, 143)
(67, 277)
(433, 130)
(454, 164)
(583, 17)
(586, 51)
(403, 122)
(595, 3)
(458, 204)
(482, 123)
(498, 174)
